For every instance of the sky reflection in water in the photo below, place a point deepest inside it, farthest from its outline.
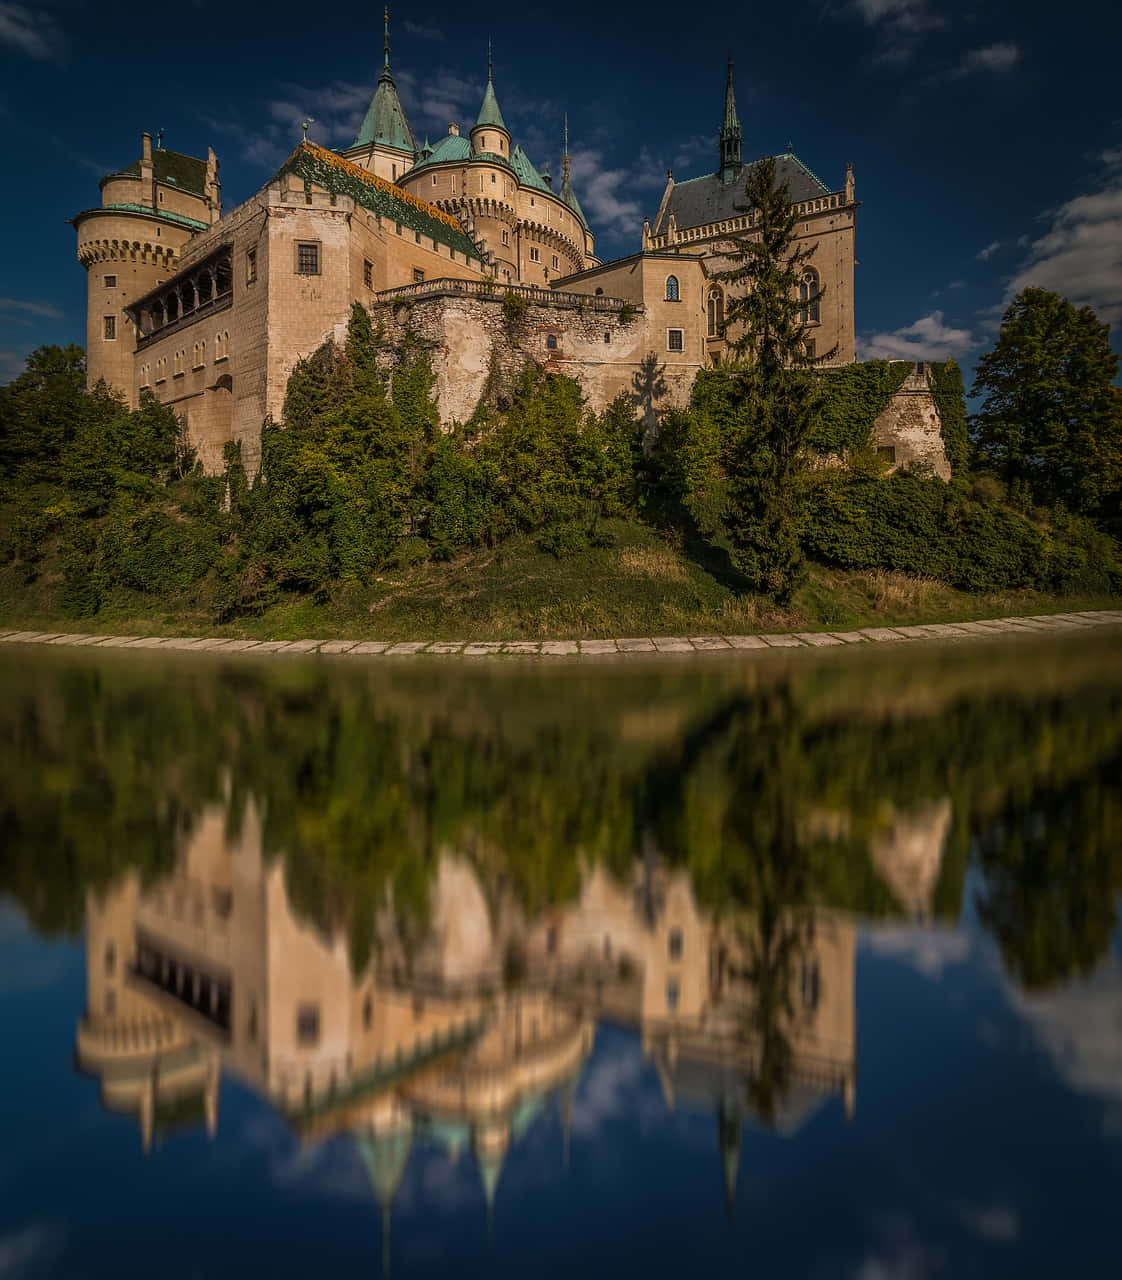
(807, 965)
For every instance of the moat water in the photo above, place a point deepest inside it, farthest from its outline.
(793, 965)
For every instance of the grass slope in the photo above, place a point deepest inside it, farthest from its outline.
(642, 585)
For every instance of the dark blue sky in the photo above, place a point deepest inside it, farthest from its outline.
(986, 139)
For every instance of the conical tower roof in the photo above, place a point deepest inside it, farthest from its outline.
(732, 120)
(385, 123)
(567, 192)
(489, 113)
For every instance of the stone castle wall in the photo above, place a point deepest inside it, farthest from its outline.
(909, 429)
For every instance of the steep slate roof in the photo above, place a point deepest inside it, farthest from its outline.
(336, 174)
(698, 201)
(527, 175)
(172, 167)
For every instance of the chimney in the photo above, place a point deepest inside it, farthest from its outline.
(453, 130)
(147, 183)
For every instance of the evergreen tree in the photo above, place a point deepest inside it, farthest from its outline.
(1051, 423)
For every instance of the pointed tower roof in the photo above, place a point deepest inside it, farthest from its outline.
(385, 122)
(732, 120)
(489, 113)
(730, 132)
(567, 192)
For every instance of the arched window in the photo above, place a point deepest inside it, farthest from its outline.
(809, 295)
(716, 328)
(599, 293)
(672, 289)
(551, 342)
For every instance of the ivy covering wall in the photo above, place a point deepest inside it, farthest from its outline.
(853, 397)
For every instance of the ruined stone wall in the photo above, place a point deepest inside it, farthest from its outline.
(479, 349)
(909, 430)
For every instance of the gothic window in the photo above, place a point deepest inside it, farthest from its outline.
(809, 296)
(556, 264)
(716, 314)
(674, 944)
(674, 340)
(672, 294)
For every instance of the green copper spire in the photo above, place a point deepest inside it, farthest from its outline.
(489, 113)
(567, 192)
(730, 131)
(385, 123)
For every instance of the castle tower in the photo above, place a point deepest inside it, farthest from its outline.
(385, 144)
(730, 133)
(490, 136)
(149, 211)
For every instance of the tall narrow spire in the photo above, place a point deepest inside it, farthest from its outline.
(385, 123)
(386, 43)
(489, 113)
(567, 192)
(730, 131)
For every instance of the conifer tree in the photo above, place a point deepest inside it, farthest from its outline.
(775, 391)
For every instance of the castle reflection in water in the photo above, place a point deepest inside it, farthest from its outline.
(463, 1036)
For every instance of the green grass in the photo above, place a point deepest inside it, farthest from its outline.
(642, 585)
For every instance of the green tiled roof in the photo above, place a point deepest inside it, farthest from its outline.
(177, 170)
(527, 175)
(451, 147)
(385, 122)
(179, 219)
(336, 174)
(489, 113)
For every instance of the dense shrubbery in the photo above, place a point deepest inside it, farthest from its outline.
(853, 396)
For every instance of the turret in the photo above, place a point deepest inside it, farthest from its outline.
(489, 134)
(730, 133)
(384, 144)
(131, 243)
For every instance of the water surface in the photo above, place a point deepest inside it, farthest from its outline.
(794, 964)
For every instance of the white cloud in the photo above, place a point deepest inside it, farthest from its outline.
(996, 1223)
(1078, 255)
(608, 1089)
(28, 1249)
(928, 948)
(42, 310)
(901, 24)
(997, 59)
(928, 338)
(984, 255)
(31, 31)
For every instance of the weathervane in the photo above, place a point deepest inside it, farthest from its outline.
(304, 125)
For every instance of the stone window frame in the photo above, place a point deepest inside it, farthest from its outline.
(251, 266)
(556, 263)
(535, 254)
(109, 328)
(671, 334)
(553, 342)
(506, 237)
(810, 297)
(368, 273)
(673, 292)
(111, 282)
(316, 247)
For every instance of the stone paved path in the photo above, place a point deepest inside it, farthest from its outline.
(636, 646)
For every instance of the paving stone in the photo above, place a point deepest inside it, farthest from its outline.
(481, 648)
(636, 644)
(559, 648)
(445, 646)
(673, 644)
(406, 648)
(941, 630)
(705, 643)
(881, 633)
(521, 646)
(240, 646)
(71, 638)
(121, 642)
(369, 646)
(1097, 618)
(45, 637)
(302, 646)
(17, 637)
(91, 640)
(1049, 622)
(337, 646)
(782, 641)
(271, 646)
(849, 637)
(746, 642)
(818, 638)
(598, 646)
(148, 642)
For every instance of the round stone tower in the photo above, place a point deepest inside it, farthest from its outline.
(131, 243)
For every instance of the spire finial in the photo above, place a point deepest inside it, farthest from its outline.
(490, 66)
(386, 43)
(565, 151)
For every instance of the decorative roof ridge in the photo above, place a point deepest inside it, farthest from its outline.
(369, 179)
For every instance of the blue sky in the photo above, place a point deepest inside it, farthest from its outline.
(986, 138)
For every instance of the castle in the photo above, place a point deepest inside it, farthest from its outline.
(464, 244)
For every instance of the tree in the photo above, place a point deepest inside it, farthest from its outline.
(776, 399)
(1051, 423)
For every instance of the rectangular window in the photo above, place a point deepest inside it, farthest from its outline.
(111, 282)
(307, 1024)
(888, 453)
(418, 275)
(110, 328)
(555, 262)
(535, 256)
(307, 259)
(251, 266)
(809, 344)
(434, 179)
(368, 274)
(506, 236)
(674, 340)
